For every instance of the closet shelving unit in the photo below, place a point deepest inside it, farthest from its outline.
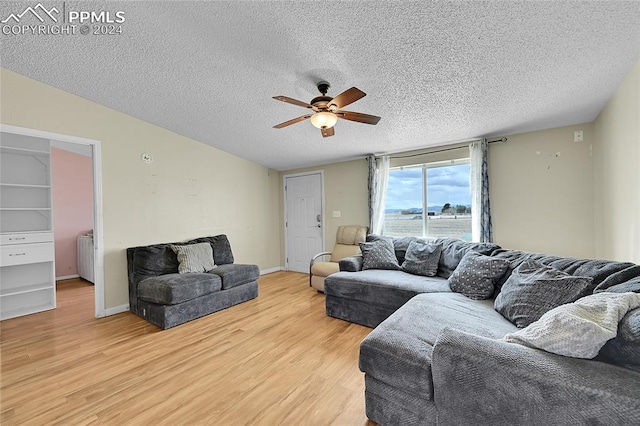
(27, 278)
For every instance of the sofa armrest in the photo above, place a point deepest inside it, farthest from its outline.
(351, 263)
(478, 380)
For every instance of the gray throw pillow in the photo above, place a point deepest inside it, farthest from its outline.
(476, 275)
(422, 259)
(194, 257)
(534, 288)
(379, 255)
(624, 349)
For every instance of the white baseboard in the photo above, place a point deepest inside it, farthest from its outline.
(270, 270)
(67, 277)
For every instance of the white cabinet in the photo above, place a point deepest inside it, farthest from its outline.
(27, 279)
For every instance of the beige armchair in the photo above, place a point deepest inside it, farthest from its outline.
(348, 238)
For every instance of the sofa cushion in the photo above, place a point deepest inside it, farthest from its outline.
(453, 250)
(194, 257)
(171, 289)
(624, 349)
(398, 351)
(379, 255)
(222, 254)
(621, 282)
(382, 287)
(422, 258)
(534, 288)
(597, 269)
(151, 261)
(579, 329)
(476, 275)
(236, 274)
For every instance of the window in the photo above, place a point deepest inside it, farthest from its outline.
(429, 200)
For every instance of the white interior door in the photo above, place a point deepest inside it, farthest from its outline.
(303, 227)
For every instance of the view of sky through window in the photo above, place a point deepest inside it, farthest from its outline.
(446, 184)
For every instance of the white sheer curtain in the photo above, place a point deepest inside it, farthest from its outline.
(481, 227)
(378, 194)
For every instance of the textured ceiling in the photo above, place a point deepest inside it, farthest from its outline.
(436, 72)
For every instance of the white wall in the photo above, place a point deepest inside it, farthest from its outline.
(616, 153)
(541, 192)
(190, 190)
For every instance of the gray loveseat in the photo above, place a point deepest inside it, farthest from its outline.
(166, 298)
(435, 356)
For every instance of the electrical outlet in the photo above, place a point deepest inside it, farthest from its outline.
(578, 136)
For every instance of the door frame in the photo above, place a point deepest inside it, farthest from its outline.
(98, 235)
(284, 221)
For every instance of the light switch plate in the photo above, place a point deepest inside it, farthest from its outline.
(336, 213)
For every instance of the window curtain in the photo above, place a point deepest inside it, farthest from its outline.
(378, 178)
(482, 229)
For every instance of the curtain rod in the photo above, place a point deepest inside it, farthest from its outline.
(503, 139)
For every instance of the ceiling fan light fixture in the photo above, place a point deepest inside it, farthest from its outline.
(324, 119)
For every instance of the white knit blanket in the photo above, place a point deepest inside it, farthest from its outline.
(578, 329)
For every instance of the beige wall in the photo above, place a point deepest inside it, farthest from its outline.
(190, 189)
(541, 192)
(345, 190)
(616, 154)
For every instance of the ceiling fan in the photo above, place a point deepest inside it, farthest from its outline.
(327, 110)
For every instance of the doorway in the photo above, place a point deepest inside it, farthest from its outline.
(304, 220)
(95, 148)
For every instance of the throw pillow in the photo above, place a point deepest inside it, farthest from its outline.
(534, 288)
(194, 257)
(624, 349)
(578, 329)
(476, 275)
(379, 255)
(422, 259)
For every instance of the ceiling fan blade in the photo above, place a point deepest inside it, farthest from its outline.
(358, 116)
(294, 102)
(347, 97)
(290, 122)
(327, 132)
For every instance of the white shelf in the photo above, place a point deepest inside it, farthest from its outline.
(22, 185)
(25, 289)
(27, 274)
(23, 151)
(17, 209)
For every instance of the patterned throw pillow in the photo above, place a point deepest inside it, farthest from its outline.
(379, 255)
(422, 259)
(534, 288)
(194, 257)
(476, 275)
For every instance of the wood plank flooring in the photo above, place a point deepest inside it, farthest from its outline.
(277, 359)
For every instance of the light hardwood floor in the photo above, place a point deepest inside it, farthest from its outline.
(277, 359)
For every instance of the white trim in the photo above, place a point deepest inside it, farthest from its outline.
(284, 223)
(271, 270)
(98, 240)
(67, 277)
(116, 310)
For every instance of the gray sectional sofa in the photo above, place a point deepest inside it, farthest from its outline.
(438, 357)
(166, 298)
